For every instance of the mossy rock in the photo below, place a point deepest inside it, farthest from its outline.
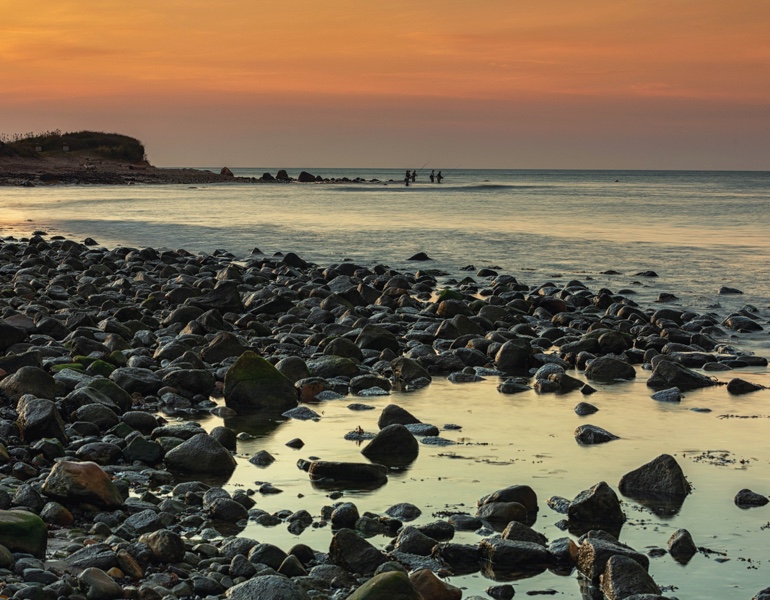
(253, 383)
(21, 531)
(391, 585)
(118, 359)
(449, 294)
(113, 391)
(73, 366)
(99, 367)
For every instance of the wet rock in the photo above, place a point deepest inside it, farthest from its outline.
(28, 380)
(513, 386)
(393, 445)
(592, 434)
(584, 409)
(200, 454)
(430, 586)
(523, 494)
(345, 515)
(500, 513)
(742, 324)
(662, 476)
(514, 556)
(597, 548)
(98, 585)
(407, 371)
(393, 414)
(413, 541)
(514, 355)
(322, 471)
(354, 553)
(391, 585)
(595, 506)
(39, 418)
(749, 499)
(22, 531)
(607, 369)
(623, 577)
(461, 558)
(403, 511)
(681, 546)
(669, 374)
(253, 383)
(166, 546)
(737, 386)
(673, 394)
(270, 587)
(377, 338)
(71, 482)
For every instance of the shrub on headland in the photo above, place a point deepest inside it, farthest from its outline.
(113, 146)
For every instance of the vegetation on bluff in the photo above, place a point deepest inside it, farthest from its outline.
(112, 146)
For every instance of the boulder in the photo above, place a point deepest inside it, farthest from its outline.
(22, 531)
(407, 370)
(523, 533)
(749, 499)
(352, 552)
(393, 414)
(668, 374)
(502, 513)
(623, 577)
(514, 355)
(73, 483)
(200, 454)
(596, 506)
(39, 418)
(431, 587)
(28, 380)
(269, 587)
(224, 297)
(597, 548)
(413, 541)
(224, 345)
(662, 476)
(98, 585)
(681, 546)
(592, 434)
(523, 494)
(673, 394)
(391, 585)
(461, 558)
(393, 445)
(737, 386)
(330, 366)
(253, 383)
(377, 338)
(514, 555)
(607, 369)
(137, 380)
(166, 546)
(325, 472)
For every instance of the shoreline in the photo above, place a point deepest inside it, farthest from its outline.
(166, 329)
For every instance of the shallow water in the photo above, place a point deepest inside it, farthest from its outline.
(697, 231)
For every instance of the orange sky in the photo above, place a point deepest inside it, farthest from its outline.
(550, 84)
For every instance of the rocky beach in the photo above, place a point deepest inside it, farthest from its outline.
(111, 489)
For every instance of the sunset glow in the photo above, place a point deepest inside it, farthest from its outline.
(595, 84)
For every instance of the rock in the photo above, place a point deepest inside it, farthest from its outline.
(431, 587)
(501, 513)
(668, 374)
(354, 553)
(22, 531)
(514, 556)
(71, 482)
(253, 383)
(514, 355)
(523, 494)
(748, 499)
(681, 546)
(28, 380)
(407, 370)
(393, 414)
(738, 386)
(98, 585)
(673, 394)
(377, 338)
(345, 515)
(419, 256)
(413, 541)
(597, 548)
(742, 324)
(403, 511)
(267, 587)
(225, 172)
(39, 418)
(224, 297)
(391, 585)
(662, 476)
(584, 409)
(262, 459)
(595, 506)
(137, 380)
(461, 558)
(366, 474)
(624, 577)
(591, 434)
(523, 533)
(393, 445)
(200, 454)
(166, 546)
(607, 369)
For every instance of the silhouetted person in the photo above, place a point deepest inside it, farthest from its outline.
(407, 177)
(432, 175)
(439, 177)
(414, 174)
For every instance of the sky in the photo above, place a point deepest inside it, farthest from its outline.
(595, 84)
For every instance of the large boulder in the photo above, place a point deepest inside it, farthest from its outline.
(200, 454)
(22, 531)
(324, 472)
(73, 483)
(514, 355)
(523, 494)
(407, 370)
(662, 476)
(270, 587)
(514, 556)
(253, 383)
(597, 505)
(597, 548)
(377, 338)
(430, 586)
(393, 413)
(137, 380)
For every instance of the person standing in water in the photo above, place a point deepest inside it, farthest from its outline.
(407, 177)
(432, 175)
(414, 174)
(439, 177)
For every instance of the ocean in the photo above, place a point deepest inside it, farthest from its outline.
(646, 233)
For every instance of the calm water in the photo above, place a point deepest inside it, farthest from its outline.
(697, 231)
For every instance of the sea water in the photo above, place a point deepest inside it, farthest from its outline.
(696, 231)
